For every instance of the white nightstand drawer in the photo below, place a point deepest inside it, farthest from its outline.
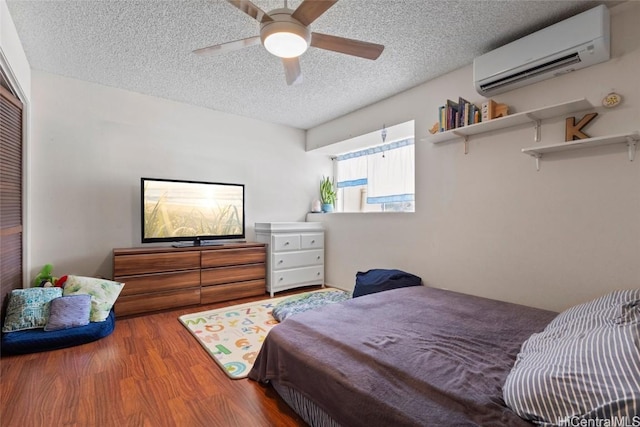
(312, 240)
(285, 242)
(302, 276)
(285, 260)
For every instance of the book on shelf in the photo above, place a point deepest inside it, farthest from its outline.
(462, 113)
(451, 114)
(445, 114)
(476, 115)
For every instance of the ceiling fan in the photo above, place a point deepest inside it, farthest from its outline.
(285, 33)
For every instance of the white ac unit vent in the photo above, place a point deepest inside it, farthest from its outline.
(569, 45)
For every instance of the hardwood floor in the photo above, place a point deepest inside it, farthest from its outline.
(149, 372)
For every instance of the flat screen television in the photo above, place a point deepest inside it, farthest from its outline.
(191, 212)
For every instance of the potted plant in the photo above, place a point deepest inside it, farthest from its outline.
(327, 194)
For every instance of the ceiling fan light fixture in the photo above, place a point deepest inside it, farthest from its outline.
(284, 36)
(285, 44)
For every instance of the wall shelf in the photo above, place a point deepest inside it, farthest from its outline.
(533, 116)
(631, 139)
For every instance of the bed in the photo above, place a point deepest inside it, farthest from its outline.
(411, 356)
(421, 356)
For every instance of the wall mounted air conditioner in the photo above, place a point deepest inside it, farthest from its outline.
(569, 45)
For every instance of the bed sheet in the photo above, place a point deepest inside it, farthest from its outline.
(411, 356)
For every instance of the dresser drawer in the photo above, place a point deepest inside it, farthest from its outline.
(217, 258)
(231, 291)
(142, 303)
(302, 276)
(221, 275)
(159, 282)
(312, 241)
(285, 242)
(287, 260)
(129, 265)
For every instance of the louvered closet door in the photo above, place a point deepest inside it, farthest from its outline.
(10, 193)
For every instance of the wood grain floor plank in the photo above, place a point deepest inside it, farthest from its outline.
(180, 413)
(149, 372)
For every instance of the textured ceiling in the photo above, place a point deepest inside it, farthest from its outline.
(146, 47)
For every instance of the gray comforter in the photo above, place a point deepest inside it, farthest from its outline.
(412, 356)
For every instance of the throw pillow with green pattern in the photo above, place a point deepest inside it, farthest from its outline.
(103, 294)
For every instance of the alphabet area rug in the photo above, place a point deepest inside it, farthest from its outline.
(233, 335)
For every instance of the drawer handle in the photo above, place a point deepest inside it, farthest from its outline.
(318, 273)
(318, 257)
(280, 262)
(280, 279)
(313, 241)
(286, 243)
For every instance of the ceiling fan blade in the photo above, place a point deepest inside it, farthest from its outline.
(251, 9)
(228, 47)
(347, 46)
(310, 10)
(292, 70)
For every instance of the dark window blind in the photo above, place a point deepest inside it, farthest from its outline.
(10, 194)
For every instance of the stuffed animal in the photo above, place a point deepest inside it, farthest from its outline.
(61, 281)
(44, 276)
(46, 279)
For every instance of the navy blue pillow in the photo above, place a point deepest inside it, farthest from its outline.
(377, 280)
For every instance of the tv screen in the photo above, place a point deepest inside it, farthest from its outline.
(195, 211)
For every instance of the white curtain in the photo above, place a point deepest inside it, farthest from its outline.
(391, 175)
(386, 172)
(352, 170)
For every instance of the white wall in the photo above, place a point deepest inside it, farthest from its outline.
(12, 56)
(487, 223)
(92, 143)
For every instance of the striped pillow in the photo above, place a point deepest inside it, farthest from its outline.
(585, 365)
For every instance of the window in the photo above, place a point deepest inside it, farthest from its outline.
(379, 178)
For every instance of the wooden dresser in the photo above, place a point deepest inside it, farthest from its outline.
(158, 278)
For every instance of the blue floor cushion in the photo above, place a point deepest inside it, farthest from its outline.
(36, 340)
(377, 280)
(307, 301)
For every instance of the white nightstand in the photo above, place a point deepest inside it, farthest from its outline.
(295, 254)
